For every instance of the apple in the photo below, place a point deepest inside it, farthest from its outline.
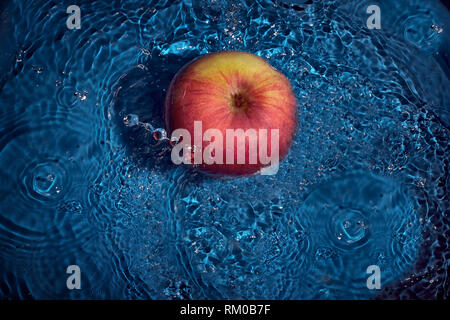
(241, 112)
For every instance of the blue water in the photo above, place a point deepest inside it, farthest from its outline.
(365, 183)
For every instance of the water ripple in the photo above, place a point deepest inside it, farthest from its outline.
(365, 182)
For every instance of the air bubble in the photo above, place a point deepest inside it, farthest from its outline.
(19, 56)
(81, 95)
(349, 228)
(159, 134)
(147, 126)
(436, 28)
(131, 120)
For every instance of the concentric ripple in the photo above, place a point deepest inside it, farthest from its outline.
(357, 221)
(45, 180)
(349, 228)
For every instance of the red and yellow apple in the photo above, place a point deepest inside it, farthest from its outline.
(232, 90)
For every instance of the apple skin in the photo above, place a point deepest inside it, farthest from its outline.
(232, 90)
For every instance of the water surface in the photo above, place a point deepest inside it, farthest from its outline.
(365, 182)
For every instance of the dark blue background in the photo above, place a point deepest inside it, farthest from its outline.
(370, 156)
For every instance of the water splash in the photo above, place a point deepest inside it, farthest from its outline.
(360, 220)
(159, 134)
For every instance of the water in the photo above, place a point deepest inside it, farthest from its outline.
(86, 175)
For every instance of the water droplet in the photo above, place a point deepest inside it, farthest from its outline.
(19, 56)
(145, 51)
(173, 141)
(349, 228)
(159, 134)
(43, 183)
(131, 120)
(38, 69)
(81, 95)
(46, 179)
